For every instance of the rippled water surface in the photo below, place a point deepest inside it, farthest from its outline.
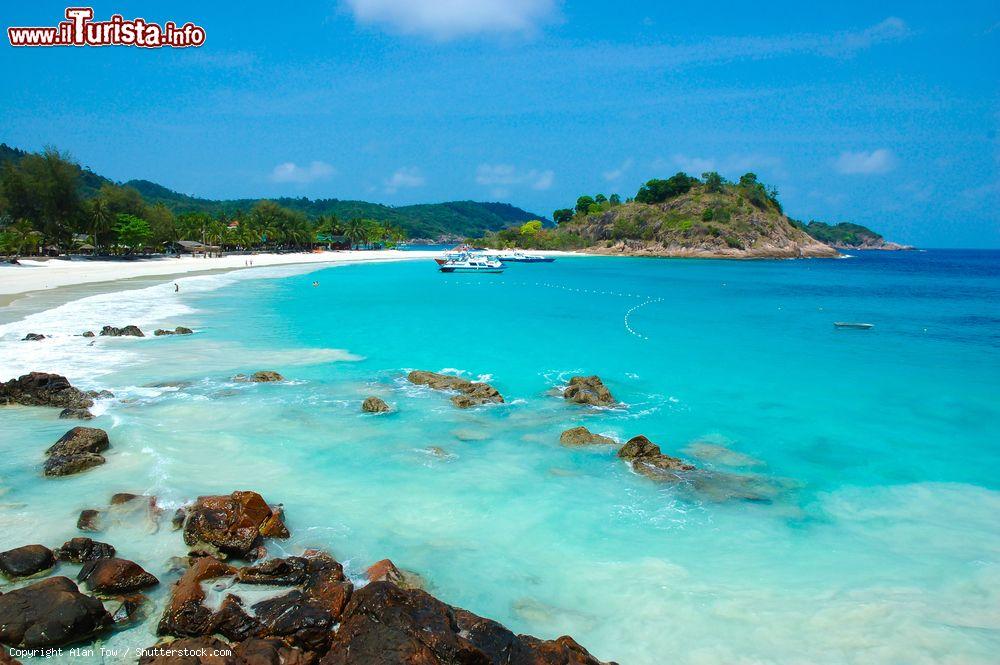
(877, 451)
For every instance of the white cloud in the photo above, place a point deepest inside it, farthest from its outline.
(877, 161)
(404, 178)
(617, 174)
(447, 19)
(500, 177)
(292, 172)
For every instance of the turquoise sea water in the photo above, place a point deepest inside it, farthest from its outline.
(880, 449)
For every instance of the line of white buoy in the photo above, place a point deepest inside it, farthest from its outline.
(628, 327)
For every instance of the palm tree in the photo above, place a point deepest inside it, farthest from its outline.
(355, 230)
(101, 218)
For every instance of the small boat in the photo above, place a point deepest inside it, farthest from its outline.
(856, 326)
(521, 257)
(472, 263)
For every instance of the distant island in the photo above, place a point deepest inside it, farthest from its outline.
(50, 204)
(684, 216)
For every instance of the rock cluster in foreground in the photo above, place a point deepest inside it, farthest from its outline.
(469, 393)
(589, 390)
(44, 389)
(76, 450)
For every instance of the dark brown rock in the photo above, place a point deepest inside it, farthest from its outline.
(185, 615)
(646, 458)
(81, 550)
(179, 330)
(279, 572)
(470, 393)
(127, 331)
(374, 405)
(89, 520)
(41, 389)
(297, 619)
(109, 576)
(26, 561)
(128, 609)
(33, 337)
(581, 436)
(589, 390)
(80, 440)
(50, 613)
(66, 465)
(75, 414)
(234, 524)
(89, 333)
(386, 571)
(271, 651)
(266, 376)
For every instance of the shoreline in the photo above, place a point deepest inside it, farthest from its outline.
(19, 282)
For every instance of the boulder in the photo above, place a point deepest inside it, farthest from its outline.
(185, 614)
(589, 390)
(127, 331)
(67, 465)
(89, 520)
(266, 376)
(179, 330)
(233, 524)
(33, 337)
(279, 572)
(89, 333)
(386, 571)
(374, 405)
(50, 613)
(82, 549)
(645, 457)
(469, 393)
(41, 389)
(100, 394)
(385, 624)
(80, 440)
(75, 414)
(581, 436)
(108, 576)
(26, 561)
(77, 450)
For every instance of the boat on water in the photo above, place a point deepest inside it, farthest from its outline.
(856, 326)
(521, 257)
(472, 263)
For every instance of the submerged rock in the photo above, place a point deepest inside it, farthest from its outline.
(470, 393)
(581, 436)
(266, 376)
(50, 613)
(77, 450)
(589, 390)
(26, 561)
(179, 330)
(33, 337)
(374, 404)
(234, 524)
(42, 389)
(645, 457)
(185, 614)
(75, 414)
(129, 609)
(89, 520)
(127, 331)
(82, 549)
(107, 576)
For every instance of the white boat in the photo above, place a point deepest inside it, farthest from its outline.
(472, 263)
(517, 256)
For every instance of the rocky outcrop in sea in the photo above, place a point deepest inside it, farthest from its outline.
(469, 393)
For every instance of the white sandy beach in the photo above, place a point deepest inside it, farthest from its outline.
(34, 275)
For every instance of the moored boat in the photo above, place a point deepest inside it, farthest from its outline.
(521, 257)
(472, 263)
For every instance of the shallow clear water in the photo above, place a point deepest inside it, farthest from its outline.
(880, 449)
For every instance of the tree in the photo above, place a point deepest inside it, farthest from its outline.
(713, 181)
(531, 228)
(355, 231)
(748, 180)
(615, 200)
(583, 203)
(658, 191)
(42, 189)
(562, 215)
(132, 231)
(161, 224)
(600, 198)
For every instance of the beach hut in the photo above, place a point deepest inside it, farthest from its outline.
(192, 247)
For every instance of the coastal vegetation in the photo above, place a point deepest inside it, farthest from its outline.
(846, 235)
(676, 216)
(50, 203)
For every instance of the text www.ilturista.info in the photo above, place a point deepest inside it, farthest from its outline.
(79, 29)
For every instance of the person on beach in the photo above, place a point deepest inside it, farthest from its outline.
(176, 287)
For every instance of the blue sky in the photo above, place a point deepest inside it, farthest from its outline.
(884, 114)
